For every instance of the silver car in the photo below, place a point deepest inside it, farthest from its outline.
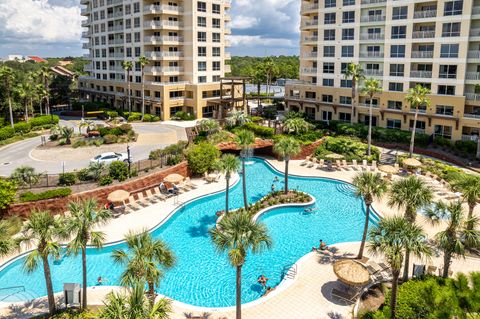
(110, 157)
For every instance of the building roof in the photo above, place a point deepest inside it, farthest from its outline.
(36, 59)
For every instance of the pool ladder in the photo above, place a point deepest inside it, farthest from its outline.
(290, 271)
(17, 289)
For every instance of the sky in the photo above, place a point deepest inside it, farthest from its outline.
(52, 28)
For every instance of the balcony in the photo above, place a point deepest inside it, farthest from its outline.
(471, 116)
(422, 54)
(363, 104)
(227, 3)
(417, 130)
(84, 2)
(469, 137)
(309, 70)
(117, 55)
(86, 34)
(162, 39)
(310, 55)
(114, 2)
(156, 9)
(88, 68)
(373, 1)
(115, 28)
(163, 54)
(311, 23)
(311, 39)
(228, 68)
(162, 24)
(309, 7)
(423, 34)
(86, 23)
(116, 41)
(228, 43)
(372, 36)
(227, 31)
(373, 72)
(475, 32)
(472, 76)
(474, 55)
(117, 14)
(85, 11)
(372, 18)
(164, 69)
(425, 14)
(87, 56)
(371, 54)
(86, 46)
(472, 96)
(227, 56)
(476, 10)
(420, 74)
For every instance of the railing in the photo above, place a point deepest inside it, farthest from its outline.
(164, 69)
(469, 137)
(474, 32)
(471, 116)
(372, 18)
(423, 34)
(86, 23)
(159, 8)
(87, 56)
(164, 38)
(310, 23)
(86, 46)
(425, 14)
(374, 72)
(422, 54)
(375, 106)
(116, 41)
(309, 70)
(310, 39)
(310, 55)
(472, 96)
(114, 2)
(115, 28)
(371, 54)
(420, 74)
(372, 36)
(473, 54)
(117, 14)
(117, 55)
(309, 7)
(373, 1)
(227, 56)
(163, 54)
(417, 130)
(86, 34)
(476, 10)
(166, 83)
(163, 23)
(85, 11)
(473, 76)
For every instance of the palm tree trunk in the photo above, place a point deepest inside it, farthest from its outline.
(407, 265)
(143, 95)
(129, 97)
(365, 231)
(226, 194)
(370, 111)
(151, 293)
(10, 110)
(447, 259)
(239, 293)
(47, 106)
(41, 112)
(286, 175)
(244, 185)
(352, 115)
(470, 222)
(393, 299)
(48, 282)
(412, 139)
(26, 111)
(84, 277)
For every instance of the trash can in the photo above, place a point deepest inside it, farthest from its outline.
(72, 293)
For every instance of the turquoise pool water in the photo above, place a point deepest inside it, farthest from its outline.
(201, 276)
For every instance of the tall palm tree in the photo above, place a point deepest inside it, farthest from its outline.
(355, 73)
(368, 186)
(45, 73)
(80, 225)
(23, 91)
(257, 75)
(134, 305)
(245, 140)
(286, 148)
(128, 66)
(469, 186)
(228, 164)
(416, 97)
(145, 259)
(42, 231)
(392, 238)
(8, 77)
(143, 61)
(372, 87)
(457, 236)
(411, 194)
(238, 234)
(41, 94)
(269, 69)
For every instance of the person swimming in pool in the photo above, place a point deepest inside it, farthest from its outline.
(268, 290)
(262, 280)
(99, 281)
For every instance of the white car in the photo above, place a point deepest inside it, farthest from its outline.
(110, 157)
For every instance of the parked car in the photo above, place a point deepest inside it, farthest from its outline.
(110, 157)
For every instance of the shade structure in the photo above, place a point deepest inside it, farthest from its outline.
(351, 272)
(412, 162)
(389, 169)
(174, 178)
(118, 196)
(334, 156)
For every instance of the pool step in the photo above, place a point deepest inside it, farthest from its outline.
(289, 271)
(346, 189)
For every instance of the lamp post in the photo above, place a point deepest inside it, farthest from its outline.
(128, 159)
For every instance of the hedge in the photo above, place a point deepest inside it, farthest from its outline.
(53, 193)
(262, 131)
(43, 120)
(22, 127)
(349, 147)
(6, 132)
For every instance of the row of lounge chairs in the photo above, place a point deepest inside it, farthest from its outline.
(312, 162)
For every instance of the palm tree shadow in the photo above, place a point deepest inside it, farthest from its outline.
(204, 224)
(31, 308)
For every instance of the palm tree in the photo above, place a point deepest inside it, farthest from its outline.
(84, 217)
(245, 140)
(355, 73)
(23, 91)
(7, 244)
(417, 96)
(469, 186)
(143, 61)
(257, 75)
(372, 87)
(8, 77)
(67, 133)
(411, 194)
(296, 125)
(368, 186)
(128, 66)
(134, 305)
(286, 148)
(269, 69)
(25, 176)
(228, 164)
(236, 117)
(42, 231)
(457, 236)
(41, 94)
(238, 234)
(45, 73)
(392, 238)
(145, 259)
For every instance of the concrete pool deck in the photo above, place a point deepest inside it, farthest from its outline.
(308, 295)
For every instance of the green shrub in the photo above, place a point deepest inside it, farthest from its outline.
(111, 114)
(442, 142)
(67, 179)
(202, 157)
(110, 139)
(174, 149)
(134, 116)
(118, 170)
(8, 190)
(105, 180)
(84, 175)
(349, 147)
(183, 116)
(466, 147)
(256, 119)
(150, 118)
(258, 130)
(40, 121)
(6, 132)
(125, 128)
(53, 193)
(79, 143)
(22, 128)
(174, 160)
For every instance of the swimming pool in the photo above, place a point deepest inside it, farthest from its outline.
(201, 276)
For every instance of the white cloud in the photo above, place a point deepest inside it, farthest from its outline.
(243, 22)
(257, 40)
(39, 21)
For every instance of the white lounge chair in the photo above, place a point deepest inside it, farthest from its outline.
(374, 166)
(321, 164)
(305, 162)
(364, 165)
(150, 197)
(311, 163)
(189, 183)
(338, 165)
(354, 164)
(345, 165)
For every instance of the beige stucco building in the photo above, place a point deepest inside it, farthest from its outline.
(402, 43)
(183, 40)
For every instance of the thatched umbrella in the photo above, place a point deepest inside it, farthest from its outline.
(118, 196)
(412, 162)
(351, 272)
(389, 169)
(174, 178)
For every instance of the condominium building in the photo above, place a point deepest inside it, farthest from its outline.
(402, 43)
(183, 40)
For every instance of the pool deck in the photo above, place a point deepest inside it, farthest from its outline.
(307, 296)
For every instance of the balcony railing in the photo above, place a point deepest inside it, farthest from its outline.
(471, 116)
(117, 55)
(86, 46)
(227, 56)
(417, 130)
(472, 96)
(163, 23)
(473, 54)
(161, 8)
(85, 11)
(310, 55)
(117, 14)
(363, 104)
(373, 1)
(86, 34)
(87, 56)
(88, 68)
(475, 32)
(165, 38)
(115, 28)
(114, 2)
(164, 69)
(473, 76)
(420, 74)
(425, 14)
(311, 39)
(371, 54)
(312, 23)
(372, 36)
(86, 23)
(476, 10)
(423, 34)
(116, 41)
(422, 54)
(469, 137)
(372, 18)
(309, 70)
(309, 7)
(373, 72)
(163, 54)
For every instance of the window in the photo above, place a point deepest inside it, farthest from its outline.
(348, 17)
(329, 51)
(344, 67)
(446, 89)
(136, 7)
(201, 21)
(202, 66)
(216, 37)
(448, 71)
(310, 112)
(344, 117)
(215, 51)
(202, 36)
(399, 32)
(328, 68)
(348, 34)
(345, 83)
(443, 131)
(451, 29)
(201, 6)
(347, 51)
(310, 95)
(216, 65)
(216, 23)
(216, 8)
(449, 51)
(202, 51)
(328, 35)
(346, 100)
(396, 87)
(420, 125)
(327, 98)
(202, 79)
(136, 22)
(128, 9)
(329, 18)
(394, 124)
(453, 8)
(399, 13)
(138, 51)
(348, 2)
(397, 69)
(137, 36)
(397, 51)
(444, 110)
(216, 78)
(327, 82)
(373, 51)
(395, 105)
(326, 116)
(330, 3)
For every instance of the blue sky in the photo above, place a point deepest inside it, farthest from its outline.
(51, 28)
